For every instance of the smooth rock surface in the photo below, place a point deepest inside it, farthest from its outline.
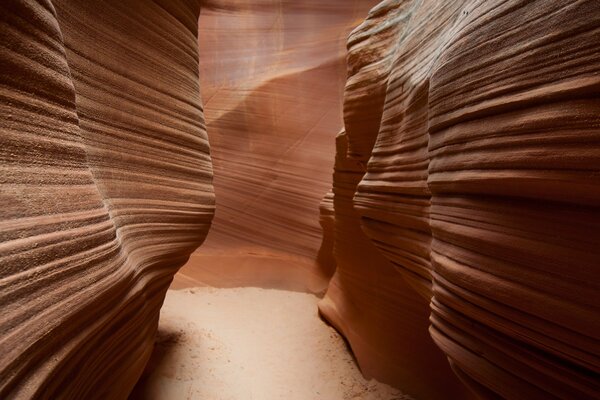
(464, 210)
(384, 319)
(514, 172)
(105, 187)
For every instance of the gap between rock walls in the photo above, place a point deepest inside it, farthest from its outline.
(428, 169)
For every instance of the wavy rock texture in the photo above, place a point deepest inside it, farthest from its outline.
(383, 318)
(473, 130)
(393, 197)
(515, 181)
(105, 187)
(272, 74)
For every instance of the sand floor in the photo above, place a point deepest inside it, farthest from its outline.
(249, 343)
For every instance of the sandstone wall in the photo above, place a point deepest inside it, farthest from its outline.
(272, 74)
(470, 159)
(382, 316)
(464, 211)
(105, 187)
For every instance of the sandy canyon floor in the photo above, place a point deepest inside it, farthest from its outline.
(249, 343)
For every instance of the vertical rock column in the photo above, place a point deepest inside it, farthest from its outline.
(393, 197)
(105, 188)
(272, 72)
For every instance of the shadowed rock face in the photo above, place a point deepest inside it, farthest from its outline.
(514, 174)
(105, 187)
(382, 316)
(470, 159)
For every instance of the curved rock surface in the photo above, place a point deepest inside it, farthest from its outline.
(515, 180)
(464, 212)
(473, 130)
(272, 73)
(383, 318)
(105, 187)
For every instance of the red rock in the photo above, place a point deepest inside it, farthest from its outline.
(460, 232)
(383, 317)
(473, 129)
(106, 188)
(271, 73)
(514, 149)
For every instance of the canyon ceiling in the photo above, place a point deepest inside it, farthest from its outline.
(432, 168)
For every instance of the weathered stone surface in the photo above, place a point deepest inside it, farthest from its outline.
(105, 187)
(384, 319)
(514, 174)
(473, 128)
(464, 212)
(271, 76)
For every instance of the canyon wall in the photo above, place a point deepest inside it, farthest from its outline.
(271, 76)
(384, 319)
(470, 163)
(105, 187)
(462, 224)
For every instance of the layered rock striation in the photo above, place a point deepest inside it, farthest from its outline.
(470, 159)
(462, 225)
(105, 187)
(382, 316)
(271, 73)
(514, 175)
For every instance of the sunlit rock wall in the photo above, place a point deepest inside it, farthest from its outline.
(471, 153)
(272, 74)
(105, 187)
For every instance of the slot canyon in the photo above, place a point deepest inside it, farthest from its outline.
(300, 199)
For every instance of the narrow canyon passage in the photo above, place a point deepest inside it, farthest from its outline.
(272, 75)
(271, 79)
(300, 199)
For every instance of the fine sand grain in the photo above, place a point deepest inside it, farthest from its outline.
(249, 343)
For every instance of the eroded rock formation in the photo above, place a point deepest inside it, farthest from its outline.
(470, 158)
(272, 73)
(105, 187)
(384, 319)
(462, 224)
